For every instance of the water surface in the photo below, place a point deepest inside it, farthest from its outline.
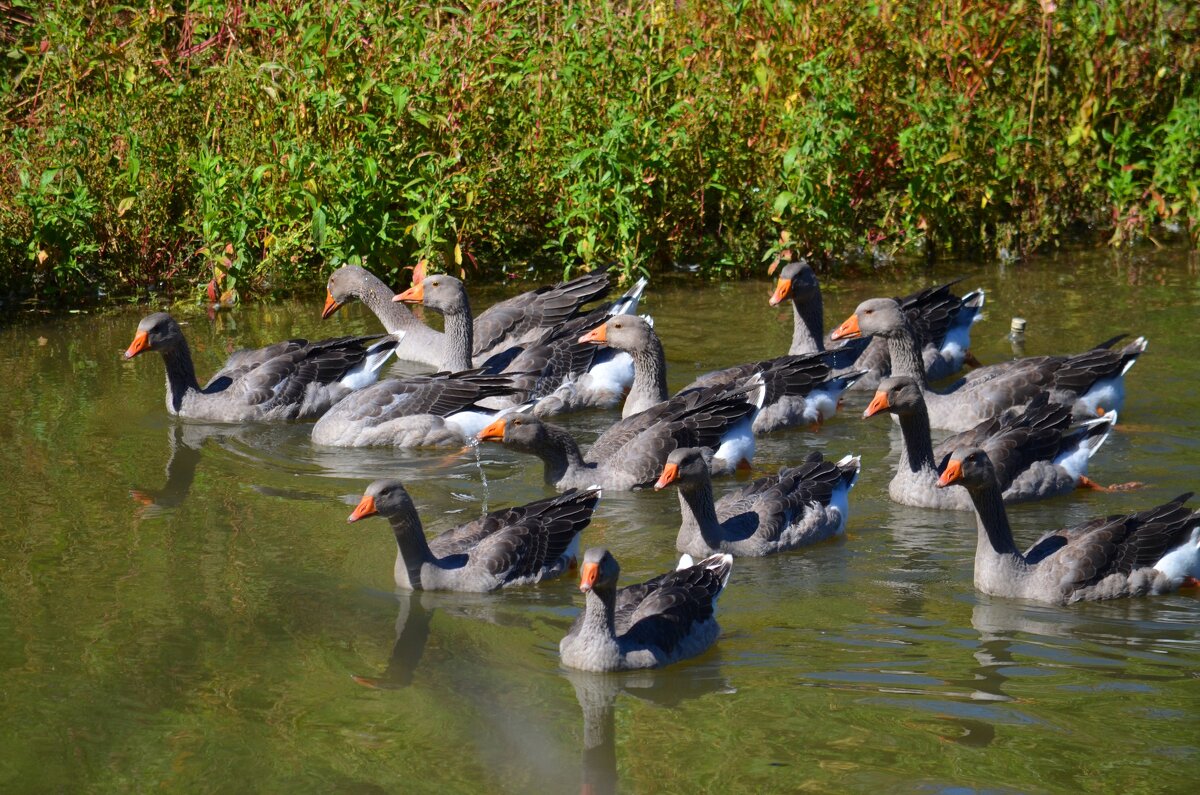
(184, 606)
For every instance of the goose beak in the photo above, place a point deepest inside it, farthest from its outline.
(588, 573)
(598, 335)
(951, 474)
(783, 288)
(365, 508)
(413, 295)
(493, 432)
(669, 475)
(849, 330)
(331, 306)
(141, 342)
(878, 404)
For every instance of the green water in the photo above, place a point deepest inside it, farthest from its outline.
(184, 608)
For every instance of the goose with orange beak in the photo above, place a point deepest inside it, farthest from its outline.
(793, 508)
(944, 319)
(1086, 381)
(522, 545)
(632, 452)
(419, 342)
(651, 624)
(1148, 552)
(1037, 453)
(290, 380)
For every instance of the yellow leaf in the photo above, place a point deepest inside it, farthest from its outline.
(949, 157)
(457, 254)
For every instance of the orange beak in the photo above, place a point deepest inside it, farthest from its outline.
(783, 288)
(587, 576)
(952, 473)
(141, 342)
(848, 330)
(598, 335)
(331, 306)
(878, 404)
(365, 508)
(493, 432)
(413, 295)
(669, 475)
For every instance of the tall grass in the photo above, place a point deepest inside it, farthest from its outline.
(271, 141)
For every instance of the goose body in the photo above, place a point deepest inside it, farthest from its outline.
(290, 380)
(799, 390)
(417, 411)
(942, 319)
(654, 623)
(796, 507)
(1036, 453)
(631, 453)
(522, 545)
(1148, 552)
(989, 391)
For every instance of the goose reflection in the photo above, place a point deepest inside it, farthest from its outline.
(412, 635)
(597, 696)
(184, 443)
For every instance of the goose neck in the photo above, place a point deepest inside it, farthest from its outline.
(699, 511)
(994, 529)
(917, 452)
(181, 375)
(649, 378)
(460, 337)
(905, 353)
(412, 550)
(808, 325)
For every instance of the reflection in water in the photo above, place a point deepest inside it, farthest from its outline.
(184, 440)
(412, 633)
(597, 696)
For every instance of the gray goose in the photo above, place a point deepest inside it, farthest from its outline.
(290, 380)
(522, 545)
(657, 622)
(416, 411)
(632, 452)
(800, 390)
(793, 508)
(1152, 551)
(1036, 453)
(515, 320)
(575, 373)
(942, 319)
(1091, 382)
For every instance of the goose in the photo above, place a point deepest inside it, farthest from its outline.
(793, 508)
(657, 622)
(438, 410)
(632, 452)
(502, 325)
(290, 380)
(799, 389)
(1036, 453)
(943, 319)
(1147, 552)
(556, 363)
(522, 545)
(1088, 381)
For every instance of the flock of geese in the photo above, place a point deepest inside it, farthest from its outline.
(1023, 430)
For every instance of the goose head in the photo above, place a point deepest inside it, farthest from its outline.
(627, 333)
(685, 465)
(386, 497)
(796, 281)
(879, 316)
(598, 570)
(523, 432)
(898, 394)
(969, 467)
(442, 293)
(345, 284)
(156, 332)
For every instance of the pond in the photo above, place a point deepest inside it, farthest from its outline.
(185, 607)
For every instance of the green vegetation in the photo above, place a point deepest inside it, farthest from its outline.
(274, 140)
